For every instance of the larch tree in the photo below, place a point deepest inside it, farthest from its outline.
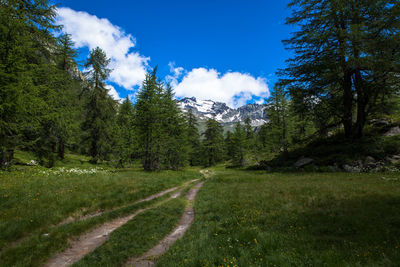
(125, 144)
(148, 120)
(99, 107)
(346, 55)
(279, 120)
(213, 142)
(25, 37)
(174, 149)
(194, 143)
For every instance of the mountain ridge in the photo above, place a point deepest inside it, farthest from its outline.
(227, 116)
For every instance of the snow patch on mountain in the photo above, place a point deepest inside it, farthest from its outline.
(205, 109)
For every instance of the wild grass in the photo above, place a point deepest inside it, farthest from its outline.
(328, 219)
(34, 199)
(137, 236)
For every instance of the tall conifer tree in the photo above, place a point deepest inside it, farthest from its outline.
(346, 56)
(194, 143)
(100, 107)
(213, 142)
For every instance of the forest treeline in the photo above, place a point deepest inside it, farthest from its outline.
(344, 71)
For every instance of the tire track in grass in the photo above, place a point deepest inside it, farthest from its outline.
(99, 213)
(90, 241)
(148, 258)
(149, 198)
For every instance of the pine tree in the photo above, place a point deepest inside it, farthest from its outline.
(25, 36)
(239, 140)
(213, 142)
(229, 146)
(250, 137)
(196, 156)
(346, 56)
(279, 122)
(174, 144)
(125, 142)
(148, 121)
(99, 108)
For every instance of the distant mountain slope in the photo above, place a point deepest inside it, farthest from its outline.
(227, 116)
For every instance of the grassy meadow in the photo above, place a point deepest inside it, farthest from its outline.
(305, 219)
(243, 218)
(34, 200)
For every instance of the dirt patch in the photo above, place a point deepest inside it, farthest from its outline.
(147, 259)
(207, 173)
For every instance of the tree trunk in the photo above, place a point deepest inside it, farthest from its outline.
(6, 156)
(362, 100)
(61, 150)
(348, 106)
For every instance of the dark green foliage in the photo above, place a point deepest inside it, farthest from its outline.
(213, 142)
(124, 132)
(99, 107)
(196, 155)
(160, 126)
(239, 145)
(174, 145)
(278, 127)
(148, 121)
(37, 91)
(346, 58)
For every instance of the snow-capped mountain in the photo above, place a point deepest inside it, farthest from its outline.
(205, 109)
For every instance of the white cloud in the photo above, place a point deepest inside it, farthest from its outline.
(232, 88)
(129, 68)
(113, 93)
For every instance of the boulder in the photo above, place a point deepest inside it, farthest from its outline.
(395, 159)
(393, 131)
(369, 160)
(379, 123)
(303, 162)
(349, 168)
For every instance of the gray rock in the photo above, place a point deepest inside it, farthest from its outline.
(393, 159)
(353, 169)
(380, 122)
(303, 162)
(393, 131)
(369, 160)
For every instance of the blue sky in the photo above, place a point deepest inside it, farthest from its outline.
(207, 46)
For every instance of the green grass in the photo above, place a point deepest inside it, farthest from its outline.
(32, 201)
(257, 219)
(37, 249)
(137, 236)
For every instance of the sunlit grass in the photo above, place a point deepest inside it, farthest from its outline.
(258, 219)
(36, 198)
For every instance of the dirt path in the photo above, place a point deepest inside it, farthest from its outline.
(147, 259)
(98, 213)
(89, 241)
(207, 173)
